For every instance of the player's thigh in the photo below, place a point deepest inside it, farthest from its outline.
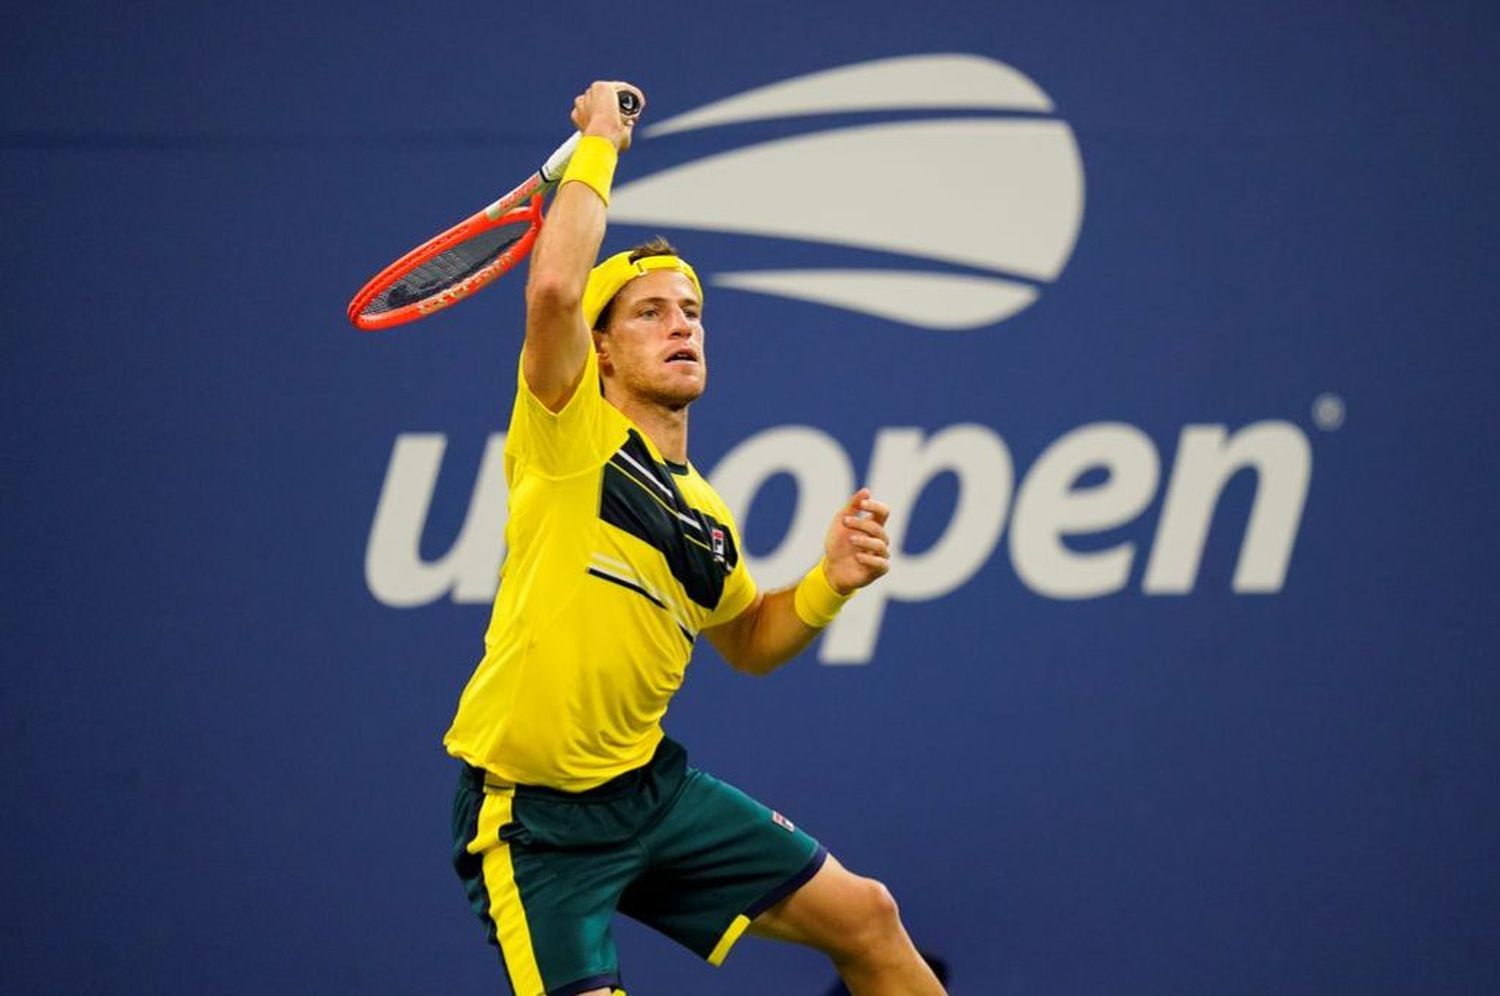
(719, 858)
(547, 909)
(830, 912)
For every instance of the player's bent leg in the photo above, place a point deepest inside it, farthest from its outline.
(855, 921)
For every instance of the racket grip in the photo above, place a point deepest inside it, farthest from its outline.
(552, 169)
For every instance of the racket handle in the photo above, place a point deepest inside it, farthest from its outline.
(552, 169)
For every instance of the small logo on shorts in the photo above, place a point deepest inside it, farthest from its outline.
(783, 822)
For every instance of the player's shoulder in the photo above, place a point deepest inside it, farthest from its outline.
(579, 436)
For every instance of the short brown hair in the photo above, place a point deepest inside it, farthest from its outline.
(657, 245)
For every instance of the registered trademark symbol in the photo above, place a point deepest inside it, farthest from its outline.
(1328, 412)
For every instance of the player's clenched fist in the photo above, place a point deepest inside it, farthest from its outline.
(857, 549)
(597, 111)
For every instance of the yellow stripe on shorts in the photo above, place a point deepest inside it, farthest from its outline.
(726, 941)
(506, 911)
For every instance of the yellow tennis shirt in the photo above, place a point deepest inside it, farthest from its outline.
(616, 559)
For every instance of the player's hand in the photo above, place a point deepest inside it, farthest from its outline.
(857, 549)
(596, 111)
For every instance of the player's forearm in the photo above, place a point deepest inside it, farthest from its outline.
(565, 251)
(557, 337)
(570, 239)
(772, 636)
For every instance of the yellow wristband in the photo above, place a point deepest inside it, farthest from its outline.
(815, 601)
(593, 163)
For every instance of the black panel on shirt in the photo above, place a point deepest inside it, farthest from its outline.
(640, 497)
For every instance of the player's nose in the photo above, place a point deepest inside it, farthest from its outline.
(681, 325)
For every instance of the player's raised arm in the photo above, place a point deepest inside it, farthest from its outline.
(557, 338)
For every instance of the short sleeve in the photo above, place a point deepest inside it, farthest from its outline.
(562, 443)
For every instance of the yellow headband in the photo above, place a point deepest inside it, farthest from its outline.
(607, 279)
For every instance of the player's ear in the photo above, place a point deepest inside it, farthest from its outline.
(601, 346)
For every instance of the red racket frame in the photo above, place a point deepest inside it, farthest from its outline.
(491, 217)
(505, 211)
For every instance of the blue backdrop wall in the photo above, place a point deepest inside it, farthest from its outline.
(1168, 327)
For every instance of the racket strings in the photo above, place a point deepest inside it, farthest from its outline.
(452, 266)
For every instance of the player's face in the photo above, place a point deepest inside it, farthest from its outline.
(653, 348)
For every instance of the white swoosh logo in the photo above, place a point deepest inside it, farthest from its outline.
(1002, 195)
(912, 82)
(901, 295)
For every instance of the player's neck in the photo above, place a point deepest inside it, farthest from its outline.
(666, 427)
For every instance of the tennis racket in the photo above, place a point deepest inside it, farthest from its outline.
(449, 267)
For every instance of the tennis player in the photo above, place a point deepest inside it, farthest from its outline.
(572, 804)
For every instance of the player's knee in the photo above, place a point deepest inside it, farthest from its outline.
(876, 913)
(883, 905)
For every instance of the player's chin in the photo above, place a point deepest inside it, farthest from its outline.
(683, 398)
(684, 387)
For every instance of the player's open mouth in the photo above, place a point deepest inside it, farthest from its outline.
(683, 356)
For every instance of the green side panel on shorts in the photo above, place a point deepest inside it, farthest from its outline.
(466, 806)
(715, 855)
(570, 899)
(573, 856)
